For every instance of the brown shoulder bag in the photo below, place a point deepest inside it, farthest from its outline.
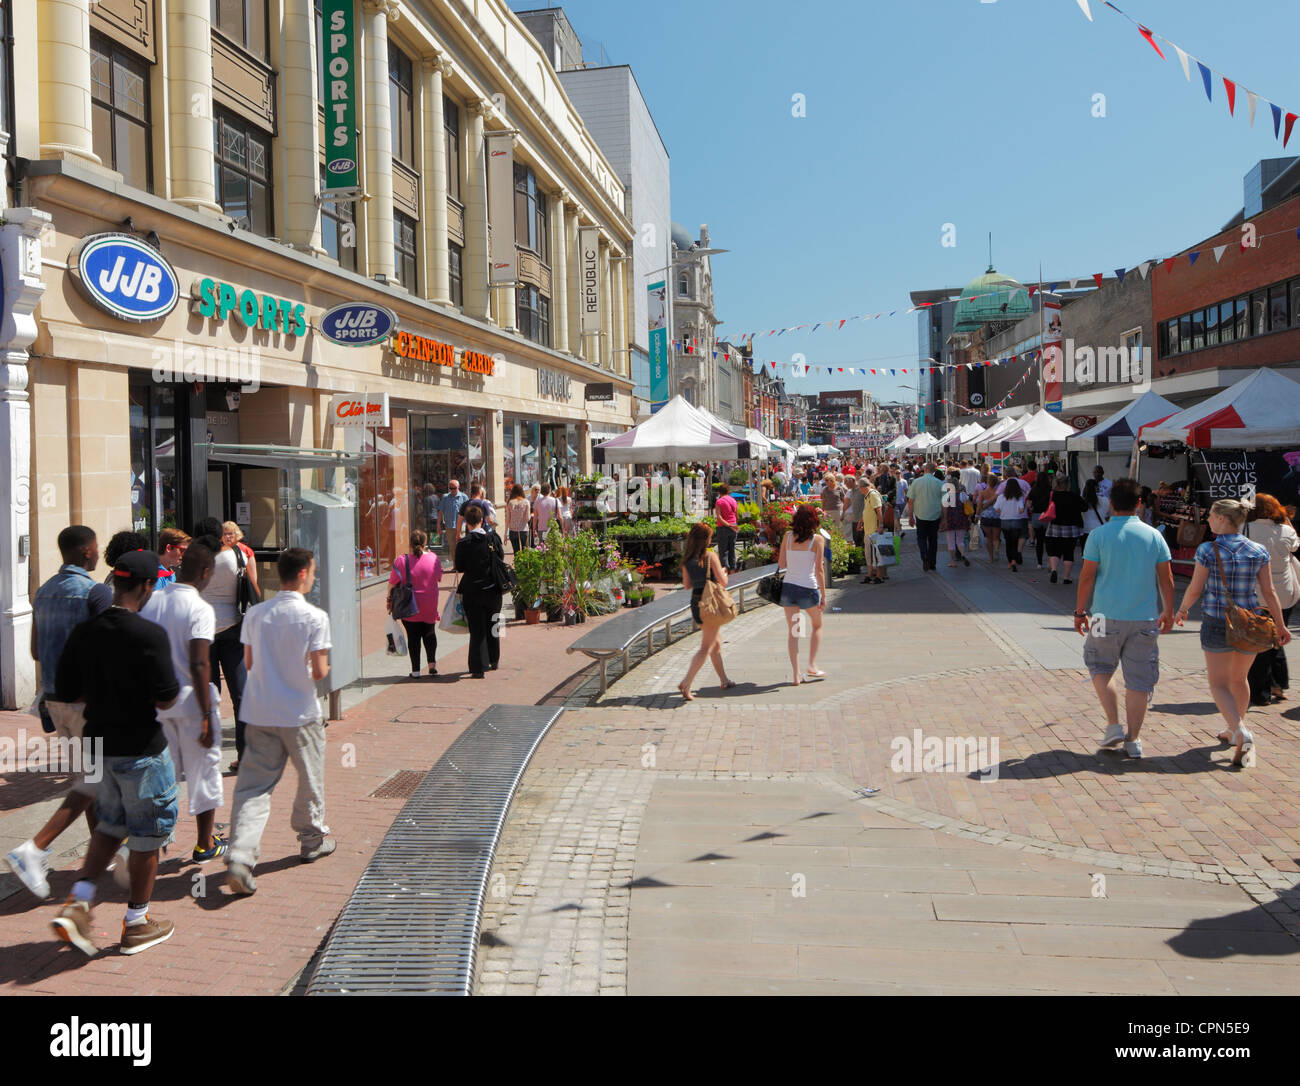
(1248, 631)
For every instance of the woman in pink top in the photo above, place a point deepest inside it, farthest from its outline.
(423, 572)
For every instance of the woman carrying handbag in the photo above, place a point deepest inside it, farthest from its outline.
(1234, 574)
(1270, 527)
(413, 600)
(700, 566)
(476, 556)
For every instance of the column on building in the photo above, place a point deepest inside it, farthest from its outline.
(298, 116)
(606, 354)
(437, 282)
(379, 140)
(189, 105)
(560, 268)
(622, 356)
(63, 29)
(475, 272)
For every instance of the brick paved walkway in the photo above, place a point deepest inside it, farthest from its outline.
(1204, 852)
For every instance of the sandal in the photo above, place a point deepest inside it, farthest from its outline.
(686, 694)
(1243, 741)
(815, 673)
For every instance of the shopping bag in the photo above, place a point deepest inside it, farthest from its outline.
(396, 637)
(885, 549)
(975, 541)
(453, 615)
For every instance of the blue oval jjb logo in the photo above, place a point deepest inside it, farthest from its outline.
(341, 165)
(358, 324)
(127, 277)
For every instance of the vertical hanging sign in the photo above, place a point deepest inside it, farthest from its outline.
(501, 199)
(1051, 361)
(589, 284)
(341, 170)
(658, 312)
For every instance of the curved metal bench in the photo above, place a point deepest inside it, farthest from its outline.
(614, 639)
(412, 923)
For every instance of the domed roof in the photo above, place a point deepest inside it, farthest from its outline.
(680, 237)
(991, 297)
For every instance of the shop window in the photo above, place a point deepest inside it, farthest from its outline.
(508, 457)
(401, 104)
(243, 22)
(1212, 326)
(1169, 330)
(243, 167)
(1259, 313)
(455, 286)
(1185, 332)
(529, 452)
(1198, 329)
(1243, 317)
(153, 438)
(404, 250)
(451, 137)
(338, 229)
(1278, 316)
(119, 92)
(1227, 323)
(443, 446)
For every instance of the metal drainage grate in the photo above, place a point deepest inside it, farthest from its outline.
(412, 923)
(399, 785)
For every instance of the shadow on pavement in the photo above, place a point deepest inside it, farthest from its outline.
(1060, 763)
(1224, 937)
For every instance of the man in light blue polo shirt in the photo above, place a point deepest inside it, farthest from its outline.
(925, 507)
(449, 515)
(1127, 576)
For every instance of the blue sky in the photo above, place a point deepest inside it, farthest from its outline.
(926, 112)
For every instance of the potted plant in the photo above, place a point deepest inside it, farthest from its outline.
(528, 590)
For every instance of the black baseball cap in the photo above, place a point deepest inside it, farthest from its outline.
(138, 565)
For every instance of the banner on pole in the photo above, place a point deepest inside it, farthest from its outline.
(1052, 362)
(341, 170)
(589, 244)
(658, 313)
(504, 258)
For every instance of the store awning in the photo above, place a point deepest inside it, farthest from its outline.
(282, 456)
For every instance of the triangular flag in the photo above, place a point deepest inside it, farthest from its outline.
(873, 372)
(1277, 118)
(1192, 256)
(816, 326)
(1143, 267)
(1182, 59)
(892, 373)
(905, 371)
(842, 323)
(1032, 288)
(1097, 279)
(1290, 120)
(1231, 88)
(1251, 99)
(1074, 283)
(1205, 78)
(1084, 5)
(1169, 263)
(1052, 287)
(1119, 274)
(1147, 34)
(1219, 250)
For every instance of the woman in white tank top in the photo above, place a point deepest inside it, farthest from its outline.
(803, 559)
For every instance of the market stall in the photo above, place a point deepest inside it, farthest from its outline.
(986, 441)
(674, 433)
(1041, 432)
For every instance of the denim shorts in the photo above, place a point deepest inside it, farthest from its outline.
(1214, 636)
(136, 800)
(795, 595)
(990, 522)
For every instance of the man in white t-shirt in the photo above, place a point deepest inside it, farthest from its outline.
(191, 723)
(286, 651)
(544, 509)
(970, 477)
(1103, 484)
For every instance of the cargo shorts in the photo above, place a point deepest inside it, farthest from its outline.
(1134, 645)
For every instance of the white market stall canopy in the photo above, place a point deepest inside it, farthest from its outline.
(970, 432)
(994, 433)
(897, 444)
(677, 431)
(1041, 432)
(920, 443)
(760, 447)
(1121, 428)
(776, 443)
(806, 452)
(826, 450)
(1260, 410)
(950, 436)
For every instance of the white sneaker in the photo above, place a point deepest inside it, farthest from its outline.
(1114, 735)
(121, 873)
(30, 864)
(1133, 748)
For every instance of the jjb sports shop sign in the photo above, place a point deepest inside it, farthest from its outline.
(358, 324)
(125, 276)
(340, 94)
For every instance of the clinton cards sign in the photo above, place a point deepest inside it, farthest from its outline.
(350, 409)
(126, 277)
(340, 95)
(358, 324)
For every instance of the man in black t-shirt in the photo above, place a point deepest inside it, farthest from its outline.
(120, 665)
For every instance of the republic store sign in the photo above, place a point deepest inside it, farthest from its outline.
(430, 352)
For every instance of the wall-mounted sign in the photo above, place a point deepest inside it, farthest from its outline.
(589, 284)
(340, 94)
(552, 383)
(503, 260)
(244, 513)
(423, 349)
(126, 277)
(349, 409)
(220, 300)
(358, 324)
(602, 393)
(1083, 422)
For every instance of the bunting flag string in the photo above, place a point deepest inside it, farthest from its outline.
(1230, 86)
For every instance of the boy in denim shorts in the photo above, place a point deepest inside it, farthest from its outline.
(1128, 580)
(120, 665)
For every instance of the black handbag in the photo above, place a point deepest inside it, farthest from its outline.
(401, 597)
(770, 587)
(245, 594)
